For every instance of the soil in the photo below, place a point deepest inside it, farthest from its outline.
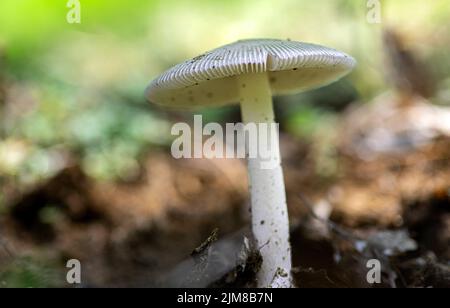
(185, 222)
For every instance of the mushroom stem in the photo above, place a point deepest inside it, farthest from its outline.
(270, 222)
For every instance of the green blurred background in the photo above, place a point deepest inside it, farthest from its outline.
(80, 86)
(75, 91)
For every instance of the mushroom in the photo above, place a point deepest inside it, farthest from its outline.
(250, 72)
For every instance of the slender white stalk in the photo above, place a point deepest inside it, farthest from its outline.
(270, 221)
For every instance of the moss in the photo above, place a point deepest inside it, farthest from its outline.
(30, 273)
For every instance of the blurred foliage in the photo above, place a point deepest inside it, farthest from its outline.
(26, 272)
(78, 88)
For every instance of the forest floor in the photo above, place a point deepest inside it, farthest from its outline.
(390, 203)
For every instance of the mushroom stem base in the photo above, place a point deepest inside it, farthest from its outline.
(270, 222)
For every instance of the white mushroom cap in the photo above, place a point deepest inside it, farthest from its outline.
(210, 79)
